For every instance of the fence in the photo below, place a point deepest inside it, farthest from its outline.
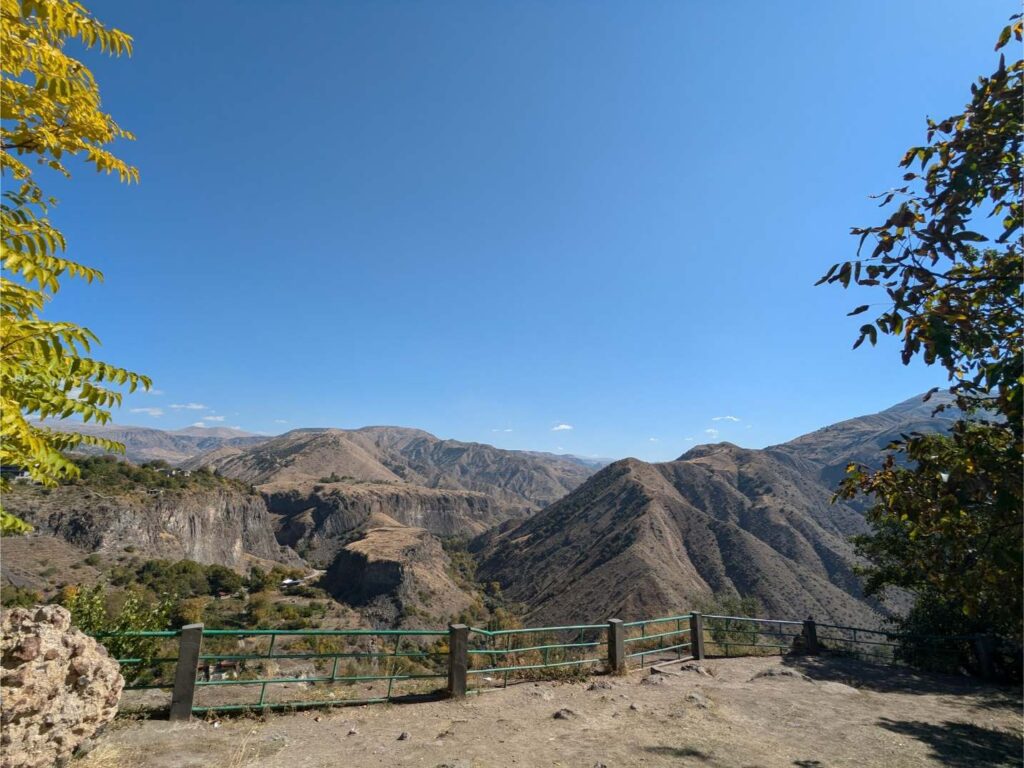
(261, 669)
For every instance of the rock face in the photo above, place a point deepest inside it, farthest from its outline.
(221, 525)
(318, 519)
(59, 686)
(393, 569)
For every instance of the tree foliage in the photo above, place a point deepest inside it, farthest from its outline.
(948, 524)
(50, 110)
(95, 610)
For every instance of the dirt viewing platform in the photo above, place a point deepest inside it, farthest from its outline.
(720, 713)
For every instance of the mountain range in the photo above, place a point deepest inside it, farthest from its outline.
(568, 539)
(144, 444)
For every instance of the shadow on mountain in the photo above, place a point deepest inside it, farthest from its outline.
(961, 745)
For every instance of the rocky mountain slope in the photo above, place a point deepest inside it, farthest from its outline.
(520, 482)
(639, 539)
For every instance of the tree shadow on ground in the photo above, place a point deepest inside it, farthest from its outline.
(961, 745)
(679, 752)
(892, 678)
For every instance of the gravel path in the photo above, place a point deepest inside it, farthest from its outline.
(738, 713)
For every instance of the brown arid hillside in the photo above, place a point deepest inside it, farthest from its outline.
(639, 540)
(521, 482)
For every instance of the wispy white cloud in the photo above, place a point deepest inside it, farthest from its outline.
(561, 428)
(280, 421)
(154, 412)
(712, 432)
(689, 439)
(197, 424)
(501, 430)
(152, 391)
(724, 418)
(213, 418)
(190, 406)
(235, 426)
(653, 439)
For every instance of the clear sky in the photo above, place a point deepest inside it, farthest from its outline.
(490, 220)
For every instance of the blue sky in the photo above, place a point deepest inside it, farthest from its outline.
(489, 220)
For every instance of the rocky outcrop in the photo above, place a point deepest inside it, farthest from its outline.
(59, 687)
(222, 524)
(318, 519)
(394, 573)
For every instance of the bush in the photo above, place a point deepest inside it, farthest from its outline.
(18, 597)
(189, 611)
(94, 610)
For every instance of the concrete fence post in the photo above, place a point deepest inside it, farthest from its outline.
(616, 647)
(458, 659)
(811, 637)
(984, 648)
(190, 644)
(697, 635)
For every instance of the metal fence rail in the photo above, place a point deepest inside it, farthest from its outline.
(935, 652)
(659, 637)
(728, 632)
(145, 657)
(527, 653)
(330, 664)
(215, 670)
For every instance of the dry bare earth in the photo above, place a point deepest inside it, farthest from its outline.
(745, 714)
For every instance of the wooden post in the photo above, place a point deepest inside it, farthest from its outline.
(810, 637)
(696, 636)
(458, 659)
(189, 645)
(616, 647)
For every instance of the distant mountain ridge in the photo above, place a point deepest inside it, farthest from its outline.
(519, 481)
(144, 444)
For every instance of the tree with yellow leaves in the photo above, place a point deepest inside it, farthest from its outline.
(49, 111)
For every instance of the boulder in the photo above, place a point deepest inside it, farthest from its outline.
(59, 686)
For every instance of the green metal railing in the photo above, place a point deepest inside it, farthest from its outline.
(530, 652)
(375, 660)
(657, 637)
(214, 670)
(727, 632)
(149, 665)
(936, 652)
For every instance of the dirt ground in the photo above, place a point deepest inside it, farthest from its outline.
(765, 712)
